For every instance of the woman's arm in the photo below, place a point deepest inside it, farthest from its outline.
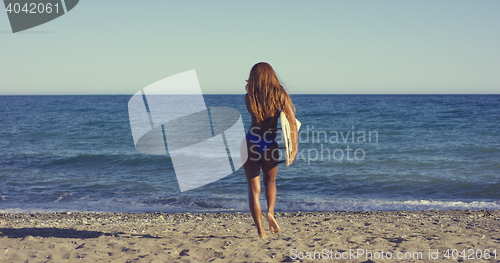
(293, 129)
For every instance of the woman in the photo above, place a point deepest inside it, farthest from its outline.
(265, 98)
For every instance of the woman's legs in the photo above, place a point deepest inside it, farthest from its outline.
(270, 170)
(254, 203)
(252, 170)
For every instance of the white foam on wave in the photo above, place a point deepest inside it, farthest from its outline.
(387, 205)
(240, 204)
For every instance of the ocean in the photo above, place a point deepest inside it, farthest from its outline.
(356, 153)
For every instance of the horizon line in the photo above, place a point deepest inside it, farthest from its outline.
(374, 94)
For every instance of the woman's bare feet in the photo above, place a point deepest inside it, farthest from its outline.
(262, 232)
(263, 235)
(273, 226)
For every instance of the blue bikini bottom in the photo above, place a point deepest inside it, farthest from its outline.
(261, 143)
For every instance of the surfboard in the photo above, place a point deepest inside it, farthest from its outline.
(286, 135)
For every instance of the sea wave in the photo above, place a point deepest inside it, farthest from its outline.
(205, 204)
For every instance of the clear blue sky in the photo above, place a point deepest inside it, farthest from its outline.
(337, 47)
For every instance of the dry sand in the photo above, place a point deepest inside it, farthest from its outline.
(232, 237)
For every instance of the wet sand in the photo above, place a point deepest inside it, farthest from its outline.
(419, 236)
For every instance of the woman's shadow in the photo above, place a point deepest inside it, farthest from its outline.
(52, 232)
(62, 233)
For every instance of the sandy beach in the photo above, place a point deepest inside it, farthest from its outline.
(417, 236)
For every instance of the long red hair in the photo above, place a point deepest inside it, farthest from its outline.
(266, 93)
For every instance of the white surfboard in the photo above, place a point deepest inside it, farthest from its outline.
(286, 134)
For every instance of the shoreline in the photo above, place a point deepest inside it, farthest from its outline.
(283, 206)
(222, 237)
